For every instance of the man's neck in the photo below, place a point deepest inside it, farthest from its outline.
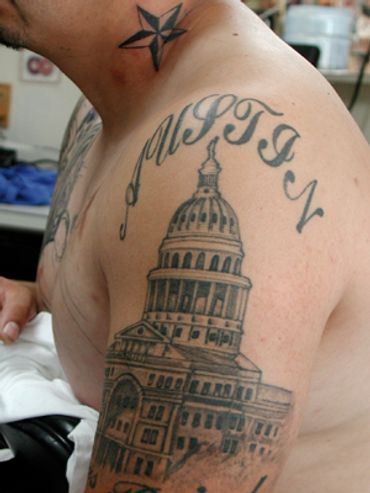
(123, 65)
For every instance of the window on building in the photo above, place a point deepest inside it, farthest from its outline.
(179, 383)
(169, 382)
(149, 468)
(213, 336)
(227, 390)
(160, 381)
(145, 436)
(218, 389)
(180, 443)
(196, 420)
(161, 293)
(173, 295)
(178, 332)
(187, 296)
(226, 446)
(249, 394)
(238, 266)
(214, 263)
(218, 300)
(149, 436)
(184, 418)
(239, 393)
(193, 443)
(203, 217)
(233, 422)
(200, 261)
(230, 446)
(152, 412)
(187, 261)
(258, 428)
(175, 261)
(227, 265)
(206, 388)
(225, 338)
(276, 431)
(252, 447)
(195, 334)
(201, 297)
(163, 330)
(232, 303)
(234, 447)
(262, 451)
(160, 413)
(268, 430)
(209, 421)
(138, 466)
(194, 386)
(220, 422)
(241, 423)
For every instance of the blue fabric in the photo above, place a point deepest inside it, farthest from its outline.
(24, 184)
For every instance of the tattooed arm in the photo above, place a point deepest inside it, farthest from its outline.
(217, 305)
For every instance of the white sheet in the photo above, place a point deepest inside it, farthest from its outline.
(32, 383)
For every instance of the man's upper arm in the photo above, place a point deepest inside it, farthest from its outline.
(219, 298)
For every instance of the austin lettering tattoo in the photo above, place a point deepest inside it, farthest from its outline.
(178, 390)
(156, 32)
(241, 118)
(309, 190)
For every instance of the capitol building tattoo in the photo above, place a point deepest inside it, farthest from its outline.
(177, 386)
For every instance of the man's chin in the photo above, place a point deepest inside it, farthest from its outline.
(10, 41)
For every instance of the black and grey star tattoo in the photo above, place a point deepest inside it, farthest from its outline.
(156, 32)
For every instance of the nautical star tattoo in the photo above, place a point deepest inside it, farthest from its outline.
(155, 33)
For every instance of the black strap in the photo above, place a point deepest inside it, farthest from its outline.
(42, 449)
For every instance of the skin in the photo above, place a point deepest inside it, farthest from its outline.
(303, 227)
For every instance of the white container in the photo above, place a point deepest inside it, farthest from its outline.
(328, 28)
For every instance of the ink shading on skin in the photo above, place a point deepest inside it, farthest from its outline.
(178, 390)
(241, 119)
(155, 33)
(260, 483)
(78, 140)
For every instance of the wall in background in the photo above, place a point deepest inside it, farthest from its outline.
(39, 111)
(361, 111)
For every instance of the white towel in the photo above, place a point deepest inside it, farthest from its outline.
(32, 384)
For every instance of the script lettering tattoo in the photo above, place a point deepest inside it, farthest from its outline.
(78, 140)
(308, 190)
(178, 390)
(155, 33)
(196, 121)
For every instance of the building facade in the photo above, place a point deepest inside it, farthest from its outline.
(177, 384)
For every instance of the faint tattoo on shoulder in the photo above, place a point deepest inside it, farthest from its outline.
(244, 122)
(155, 33)
(78, 140)
(178, 389)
